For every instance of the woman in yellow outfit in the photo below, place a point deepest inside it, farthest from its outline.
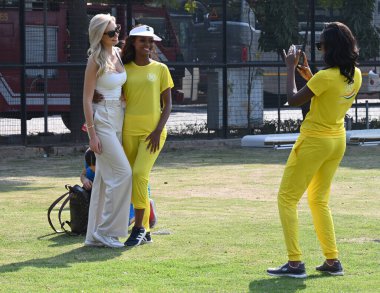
(144, 133)
(320, 147)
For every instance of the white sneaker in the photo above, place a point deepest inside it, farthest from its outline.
(93, 243)
(108, 241)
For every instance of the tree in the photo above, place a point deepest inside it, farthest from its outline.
(172, 3)
(331, 4)
(279, 24)
(190, 6)
(358, 15)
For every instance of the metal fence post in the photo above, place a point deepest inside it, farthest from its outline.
(129, 17)
(366, 114)
(22, 73)
(225, 92)
(278, 96)
(312, 35)
(45, 70)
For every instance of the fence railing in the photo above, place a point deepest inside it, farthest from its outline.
(230, 90)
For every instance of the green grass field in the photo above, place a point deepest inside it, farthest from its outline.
(218, 207)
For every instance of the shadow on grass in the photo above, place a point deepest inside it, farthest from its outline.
(355, 157)
(282, 284)
(62, 239)
(66, 259)
(10, 186)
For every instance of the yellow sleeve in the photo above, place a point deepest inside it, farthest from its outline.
(318, 83)
(359, 74)
(124, 86)
(166, 80)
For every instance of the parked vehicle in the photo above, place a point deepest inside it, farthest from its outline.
(208, 33)
(51, 88)
(58, 98)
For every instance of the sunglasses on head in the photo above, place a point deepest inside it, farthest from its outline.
(319, 45)
(111, 34)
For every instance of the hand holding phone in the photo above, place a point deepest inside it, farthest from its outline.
(303, 68)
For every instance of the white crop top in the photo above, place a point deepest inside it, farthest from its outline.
(109, 84)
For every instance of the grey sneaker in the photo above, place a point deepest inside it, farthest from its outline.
(336, 269)
(288, 271)
(108, 241)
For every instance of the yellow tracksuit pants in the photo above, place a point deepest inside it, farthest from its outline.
(311, 166)
(141, 160)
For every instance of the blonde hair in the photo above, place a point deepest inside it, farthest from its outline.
(98, 25)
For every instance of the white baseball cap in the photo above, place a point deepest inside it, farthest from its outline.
(144, 31)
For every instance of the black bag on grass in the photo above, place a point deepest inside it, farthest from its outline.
(79, 203)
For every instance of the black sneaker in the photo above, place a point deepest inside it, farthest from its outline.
(336, 269)
(147, 238)
(288, 271)
(136, 237)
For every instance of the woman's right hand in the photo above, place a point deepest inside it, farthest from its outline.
(97, 97)
(304, 70)
(87, 183)
(291, 58)
(95, 145)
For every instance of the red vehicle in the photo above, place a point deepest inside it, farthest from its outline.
(58, 99)
(56, 80)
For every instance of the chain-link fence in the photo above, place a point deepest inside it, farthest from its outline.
(223, 57)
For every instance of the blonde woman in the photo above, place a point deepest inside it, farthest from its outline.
(112, 186)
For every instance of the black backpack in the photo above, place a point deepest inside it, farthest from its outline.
(79, 204)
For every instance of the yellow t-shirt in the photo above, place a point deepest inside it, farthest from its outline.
(142, 92)
(333, 97)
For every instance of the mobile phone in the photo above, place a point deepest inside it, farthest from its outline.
(296, 48)
(301, 60)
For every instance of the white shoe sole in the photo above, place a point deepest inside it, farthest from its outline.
(289, 275)
(106, 243)
(335, 273)
(90, 243)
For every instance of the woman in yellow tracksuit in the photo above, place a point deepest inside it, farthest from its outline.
(144, 133)
(320, 147)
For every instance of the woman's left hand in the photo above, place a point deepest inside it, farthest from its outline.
(154, 141)
(293, 56)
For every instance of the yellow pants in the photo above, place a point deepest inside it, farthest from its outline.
(141, 161)
(311, 165)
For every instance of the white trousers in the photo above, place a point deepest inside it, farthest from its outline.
(112, 186)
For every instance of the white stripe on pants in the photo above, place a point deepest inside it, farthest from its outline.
(112, 186)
